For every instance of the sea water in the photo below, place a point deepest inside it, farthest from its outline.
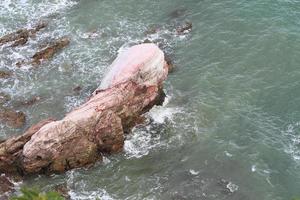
(230, 128)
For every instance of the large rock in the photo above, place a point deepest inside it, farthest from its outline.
(131, 87)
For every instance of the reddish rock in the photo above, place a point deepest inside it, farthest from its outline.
(5, 185)
(131, 87)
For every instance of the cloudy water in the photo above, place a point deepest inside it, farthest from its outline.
(230, 128)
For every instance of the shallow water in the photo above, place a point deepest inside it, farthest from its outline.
(230, 128)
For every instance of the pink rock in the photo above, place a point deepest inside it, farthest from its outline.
(144, 64)
(132, 87)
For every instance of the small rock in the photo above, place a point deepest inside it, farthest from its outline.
(15, 119)
(5, 185)
(19, 42)
(152, 30)
(147, 41)
(77, 89)
(29, 102)
(187, 27)
(63, 190)
(169, 63)
(4, 98)
(5, 74)
(49, 52)
(20, 37)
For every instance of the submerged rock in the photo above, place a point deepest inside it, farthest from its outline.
(29, 102)
(186, 28)
(180, 12)
(152, 29)
(12, 118)
(49, 51)
(77, 89)
(20, 37)
(4, 98)
(5, 74)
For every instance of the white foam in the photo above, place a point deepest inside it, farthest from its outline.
(139, 144)
(228, 154)
(87, 195)
(293, 140)
(253, 168)
(32, 11)
(161, 113)
(193, 172)
(232, 187)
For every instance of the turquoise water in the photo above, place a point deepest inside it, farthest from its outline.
(230, 128)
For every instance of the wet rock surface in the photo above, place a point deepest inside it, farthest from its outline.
(49, 51)
(20, 37)
(28, 102)
(6, 186)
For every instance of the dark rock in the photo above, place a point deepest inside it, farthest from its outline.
(152, 30)
(20, 37)
(4, 98)
(177, 13)
(49, 52)
(147, 41)
(5, 74)
(19, 42)
(29, 102)
(77, 89)
(63, 190)
(5, 185)
(187, 27)
(169, 63)
(12, 118)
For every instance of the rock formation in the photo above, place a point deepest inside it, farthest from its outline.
(20, 37)
(186, 28)
(131, 87)
(47, 53)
